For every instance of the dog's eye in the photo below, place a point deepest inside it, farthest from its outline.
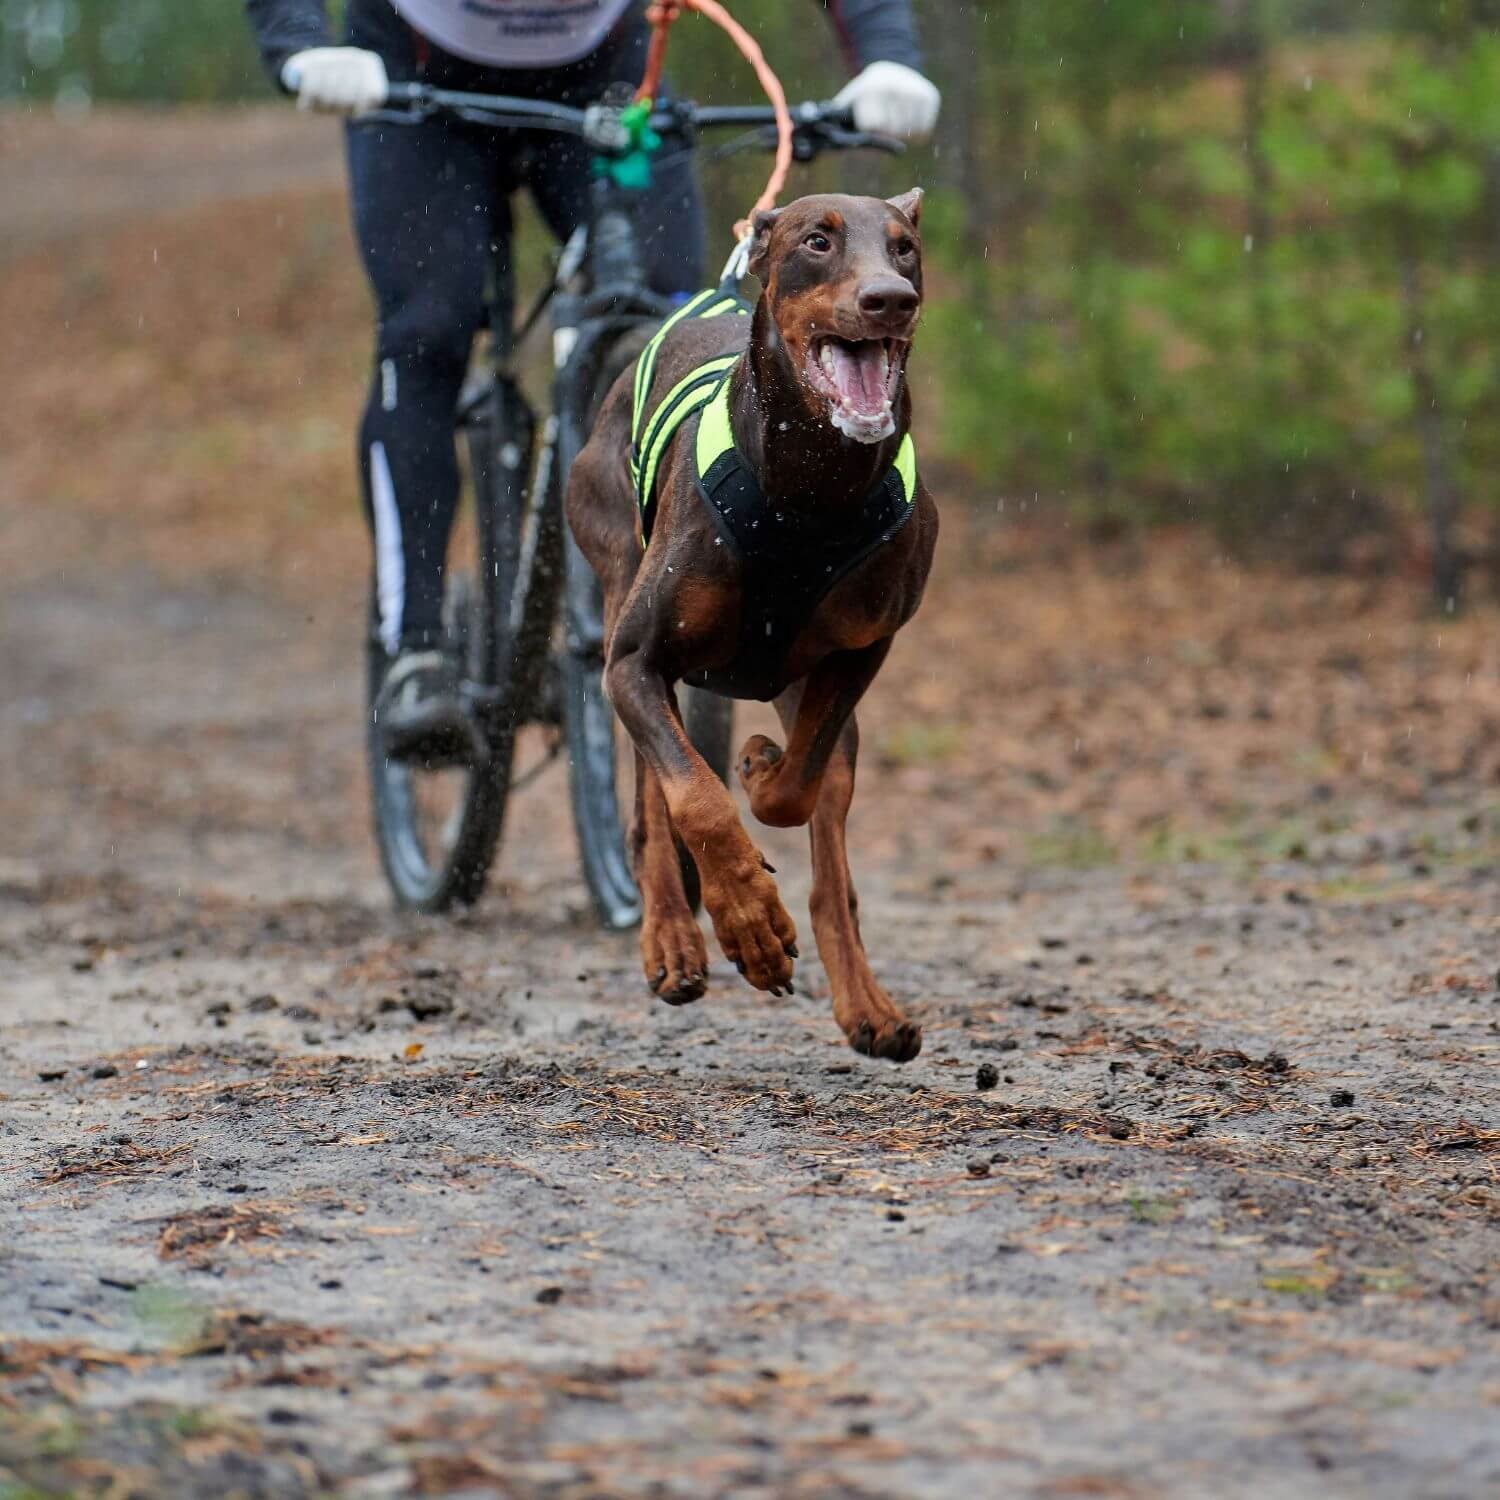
(819, 242)
(903, 247)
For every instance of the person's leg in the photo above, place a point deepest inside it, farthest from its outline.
(425, 209)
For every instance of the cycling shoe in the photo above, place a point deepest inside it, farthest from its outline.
(421, 716)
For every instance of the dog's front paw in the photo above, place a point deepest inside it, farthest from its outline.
(900, 1041)
(674, 957)
(774, 800)
(872, 1022)
(753, 928)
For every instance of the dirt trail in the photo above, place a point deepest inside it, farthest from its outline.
(68, 178)
(299, 1196)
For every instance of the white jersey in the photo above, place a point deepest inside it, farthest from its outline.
(514, 33)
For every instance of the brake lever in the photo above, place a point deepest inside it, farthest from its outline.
(861, 140)
(812, 137)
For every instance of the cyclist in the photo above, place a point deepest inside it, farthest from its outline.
(430, 201)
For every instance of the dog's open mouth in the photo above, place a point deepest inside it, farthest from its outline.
(859, 379)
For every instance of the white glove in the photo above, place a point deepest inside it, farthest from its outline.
(891, 99)
(336, 80)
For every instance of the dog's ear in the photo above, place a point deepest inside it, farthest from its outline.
(760, 243)
(909, 204)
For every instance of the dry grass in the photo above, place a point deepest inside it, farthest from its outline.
(198, 1234)
(116, 1163)
(1054, 702)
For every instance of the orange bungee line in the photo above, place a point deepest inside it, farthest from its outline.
(661, 14)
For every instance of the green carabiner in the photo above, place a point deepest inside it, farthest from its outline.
(631, 169)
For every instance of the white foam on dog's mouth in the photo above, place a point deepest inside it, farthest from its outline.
(859, 379)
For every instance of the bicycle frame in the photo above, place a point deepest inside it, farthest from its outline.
(586, 320)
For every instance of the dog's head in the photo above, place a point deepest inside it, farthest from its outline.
(843, 286)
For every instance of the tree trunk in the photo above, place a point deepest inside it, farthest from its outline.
(1097, 301)
(953, 33)
(1492, 291)
(1442, 492)
(1258, 206)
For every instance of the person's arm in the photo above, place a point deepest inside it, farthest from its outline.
(293, 38)
(888, 94)
(875, 31)
(285, 27)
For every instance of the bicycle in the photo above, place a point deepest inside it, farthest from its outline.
(438, 824)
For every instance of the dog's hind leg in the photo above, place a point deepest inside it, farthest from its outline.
(783, 785)
(865, 1013)
(672, 950)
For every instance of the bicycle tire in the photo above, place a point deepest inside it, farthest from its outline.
(496, 428)
(588, 716)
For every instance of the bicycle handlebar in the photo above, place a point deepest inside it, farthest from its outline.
(815, 126)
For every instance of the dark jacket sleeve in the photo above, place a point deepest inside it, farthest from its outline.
(283, 27)
(875, 31)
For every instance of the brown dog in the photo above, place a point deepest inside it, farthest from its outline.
(733, 589)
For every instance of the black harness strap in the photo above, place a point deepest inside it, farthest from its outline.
(679, 404)
(789, 559)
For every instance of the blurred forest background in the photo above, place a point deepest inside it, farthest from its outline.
(1233, 260)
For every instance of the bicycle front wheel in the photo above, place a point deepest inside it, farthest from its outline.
(600, 759)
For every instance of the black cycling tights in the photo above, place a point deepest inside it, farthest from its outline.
(429, 202)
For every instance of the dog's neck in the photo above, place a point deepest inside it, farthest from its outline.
(784, 433)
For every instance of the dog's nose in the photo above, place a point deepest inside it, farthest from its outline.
(893, 299)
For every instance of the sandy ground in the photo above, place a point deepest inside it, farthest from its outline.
(1198, 868)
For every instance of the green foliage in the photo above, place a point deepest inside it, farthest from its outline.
(75, 51)
(1236, 261)
(1224, 236)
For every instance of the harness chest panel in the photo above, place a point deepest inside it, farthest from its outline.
(788, 557)
(649, 440)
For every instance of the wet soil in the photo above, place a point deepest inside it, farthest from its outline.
(1191, 873)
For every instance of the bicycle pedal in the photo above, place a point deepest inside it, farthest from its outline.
(443, 752)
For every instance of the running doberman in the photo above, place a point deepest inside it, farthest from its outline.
(771, 549)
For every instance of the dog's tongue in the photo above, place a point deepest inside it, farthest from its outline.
(859, 374)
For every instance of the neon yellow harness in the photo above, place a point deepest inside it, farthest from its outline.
(648, 443)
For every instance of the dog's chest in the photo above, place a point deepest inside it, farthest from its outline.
(788, 559)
